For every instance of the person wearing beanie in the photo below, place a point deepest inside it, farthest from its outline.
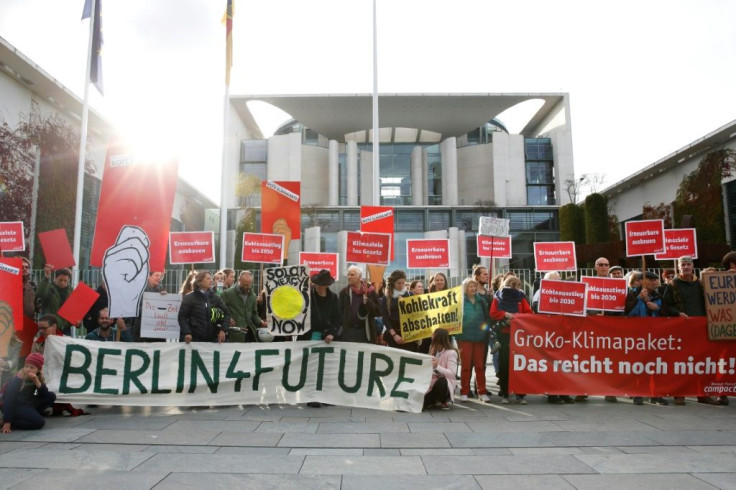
(26, 397)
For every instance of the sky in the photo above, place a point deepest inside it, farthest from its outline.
(645, 77)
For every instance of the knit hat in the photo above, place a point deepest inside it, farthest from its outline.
(35, 359)
(685, 259)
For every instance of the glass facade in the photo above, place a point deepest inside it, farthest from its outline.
(540, 179)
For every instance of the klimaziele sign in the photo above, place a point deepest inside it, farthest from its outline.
(178, 374)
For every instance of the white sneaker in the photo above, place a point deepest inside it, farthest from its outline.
(463, 398)
(521, 399)
(505, 400)
(485, 398)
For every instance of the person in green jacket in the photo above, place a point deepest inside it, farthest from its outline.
(241, 301)
(53, 294)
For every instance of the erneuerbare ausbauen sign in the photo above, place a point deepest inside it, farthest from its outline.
(178, 374)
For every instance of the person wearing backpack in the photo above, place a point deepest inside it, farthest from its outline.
(25, 397)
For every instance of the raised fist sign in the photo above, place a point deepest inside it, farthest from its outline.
(125, 270)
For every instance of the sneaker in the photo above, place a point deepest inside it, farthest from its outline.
(708, 400)
(659, 400)
(611, 399)
(722, 400)
(505, 400)
(521, 399)
(485, 398)
(463, 398)
(679, 400)
(638, 400)
(445, 406)
(554, 399)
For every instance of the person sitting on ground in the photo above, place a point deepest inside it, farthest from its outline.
(444, 366)
(26, 397)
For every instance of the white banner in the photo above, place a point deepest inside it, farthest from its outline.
(492, 226)
(177, 374)
(159, 316)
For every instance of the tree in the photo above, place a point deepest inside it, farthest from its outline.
(572, 223)
(577, 187)
(596, 219)
(16, 178)
(249, 186)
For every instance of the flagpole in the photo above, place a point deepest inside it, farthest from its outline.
(376, 136)
(82, 151)
(223, 181)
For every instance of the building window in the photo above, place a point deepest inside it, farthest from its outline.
(540, 178)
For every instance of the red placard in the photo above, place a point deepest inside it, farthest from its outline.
(622, 356)
(12, 238)
(606, 293)
(428, 253)
(497, 247)
(679, 242)
(56, 248)
(644, 237)
(137, 194)
(378, 219)
(562, 297)
(281, 209)
(555, 256)
(320, 260)
(263, 248)
(368, 248)
(192, 247)
(78, 303)
(11, 300)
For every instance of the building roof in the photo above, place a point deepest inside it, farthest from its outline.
(335, 116)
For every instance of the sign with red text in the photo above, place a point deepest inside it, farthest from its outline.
(378, 219)
(192, 247)
(11, 301)
(368, 248)
(720, 304)
(620, 356)
(555, 256)
(263, 248)
(606, 293)
(56, 248)
(428, 253)
(494, 247)
(645, 237)
(281, 209)
(562, 297)
(679, 242)
(12, 238)
(320, 260)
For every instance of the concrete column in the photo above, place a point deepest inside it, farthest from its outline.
(454, 252)
(333, 173)
(292, 254)
(417, 187)
(366, 179)
(425, 176)
(312, 239)
(342, 246)
(352, 164)
(448, 150)
(462, 252)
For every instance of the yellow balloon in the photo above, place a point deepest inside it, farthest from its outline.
(287, 302)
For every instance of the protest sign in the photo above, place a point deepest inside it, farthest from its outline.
(317, 261)
(619, 356)
(378, 219)
(159, 316)
(287, 300)
(281, 210)
(192, 247)
(555, 256)
(202, 373)
(12, 238)
(562, 297)
(720, 304)
(368, 248)
(11, 300)
(492, 226)
(679, 242)
(263, 248)
(644, 237)
(428, 253)
(78, 303)
(495, 247)
(420, 315)
(606, 293)
(56, 248)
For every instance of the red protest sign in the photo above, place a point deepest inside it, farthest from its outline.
(263, 248)
(494, 246)
(12, 238)
(135, 193)
(320, 260)
(56, 248)
(622, 356)
(428, 253)
(562, 297)
(281, 209)
(192, 247)
(606, 293)
(11, 300)
(378, 219)
(555, 256)
(679, 242)
(78, 303)
(368, 248)
(644, 237)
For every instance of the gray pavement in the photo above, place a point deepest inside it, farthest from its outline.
(475, 445)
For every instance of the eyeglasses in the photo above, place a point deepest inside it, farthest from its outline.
(602, 265)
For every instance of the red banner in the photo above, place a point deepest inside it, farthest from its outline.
(497, 247)
(281, 209)
(56, 248)
(263, 248)
(11, 300)
(554, 256)
(12, 238)
(192, 247)
(428, 253)
(368, 248)
(644, 237)
(562, 297)
(679, 242)
(378, 219)
(606, 293)
(78, 303)
(137, 194)
(619, 356)
(320, 260)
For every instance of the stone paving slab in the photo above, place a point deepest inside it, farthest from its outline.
(46, 435)
(363, 465)
(6, 446)
(402, 482)
(163, 448)
(250, 439)
(637, 482)
(417, 440)
(260, 451)
(127, 423)
(288, 426)
(91, 460)
(719, 480)
(516, 482)
(439, 427)
(362, 428)
(229, 481)
(504, 465)
(693, 437)
(330, 440)
(221, 463)
(661, 463)
(505, 426)
(90, 479)
(191, 438)
(14, 476)
(214, 425)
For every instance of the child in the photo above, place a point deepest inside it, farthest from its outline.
(26, 397)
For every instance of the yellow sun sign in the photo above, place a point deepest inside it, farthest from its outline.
(287, 302)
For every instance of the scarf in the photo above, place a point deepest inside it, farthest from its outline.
(364, 288)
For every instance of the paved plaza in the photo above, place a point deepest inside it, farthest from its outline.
(475, 445)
